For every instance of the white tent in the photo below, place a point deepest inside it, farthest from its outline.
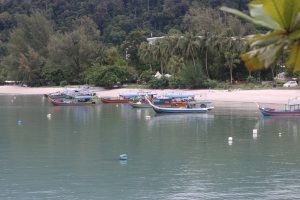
(158, 75)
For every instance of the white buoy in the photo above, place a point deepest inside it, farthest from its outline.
(279, 134)
(229, 143)
(254, 131)
(15, 97)
(49, 116)
(19, 122)
(117, 105)
(147, 117)
(230, 139)
(123, 157)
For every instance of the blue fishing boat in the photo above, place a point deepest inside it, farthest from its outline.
(126, 97)
(191, 107)
(76, 101)
(292, 108)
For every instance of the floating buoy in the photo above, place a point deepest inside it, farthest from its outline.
(123, 157)
(49, 116)
(254, 131)
(147, 117)
(15, 97)
(19, 122)
(279, 134)
(230, 139)
(117, 105)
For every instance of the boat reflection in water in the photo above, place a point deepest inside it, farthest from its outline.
(165, 119)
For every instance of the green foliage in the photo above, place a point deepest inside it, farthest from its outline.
(193, 76)
(212, 83)
(62, 41)
(176, 82)
(251, 79)
(146, 76)
(106, 76)
(63, 83)
(161, 83)
(282, 18)
(53, 76)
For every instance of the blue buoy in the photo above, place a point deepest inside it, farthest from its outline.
(123, 157)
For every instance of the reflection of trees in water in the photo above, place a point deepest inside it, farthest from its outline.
(200, 122)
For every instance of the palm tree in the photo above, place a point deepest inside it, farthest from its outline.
(163, 50)
(282, 18)
(189, 46)
(232, 59)
(232, 48)
(146, 53)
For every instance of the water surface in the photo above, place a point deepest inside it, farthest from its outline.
(74, 155)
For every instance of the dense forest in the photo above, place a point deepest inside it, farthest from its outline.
(102, 42)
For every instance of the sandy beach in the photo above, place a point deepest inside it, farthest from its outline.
(275, 96)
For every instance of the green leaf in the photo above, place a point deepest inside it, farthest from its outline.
(294, 58)
(258, 13)
(295, 35)
(259, 17)
(265, 39)
(284, 12)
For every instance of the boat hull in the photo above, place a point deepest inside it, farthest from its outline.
(179, 110)
(273, 112)
(114, 100)
(71, 103)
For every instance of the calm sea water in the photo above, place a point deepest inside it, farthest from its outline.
(74, 155)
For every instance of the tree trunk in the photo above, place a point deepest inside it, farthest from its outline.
(206, 64)
(161, 68)
(231, 79)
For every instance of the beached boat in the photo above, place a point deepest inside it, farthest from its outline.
(292, 108)
(167, 100)
(191, 107)
(76, 101)
(125, 98)
(70, 94)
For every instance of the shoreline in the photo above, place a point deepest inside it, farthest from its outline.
(270, 96)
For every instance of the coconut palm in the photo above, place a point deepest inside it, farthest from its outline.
(189, 47)
(146, 53)
(231, 49)
(282, 18)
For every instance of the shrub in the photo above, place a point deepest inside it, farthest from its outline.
(146, 76)
(212, 83)
(159, 83)
(251, 79)
(176, 82)
(223, 85)
(107, 76)
(193, 76)
(53, 76)
(63, 83)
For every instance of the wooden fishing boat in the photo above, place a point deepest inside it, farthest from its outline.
(292, 108)
(139, 104)
(77, 101)
(191, 107)
(114, 100)
(70, 94)
(163, 102)
(125, 98)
